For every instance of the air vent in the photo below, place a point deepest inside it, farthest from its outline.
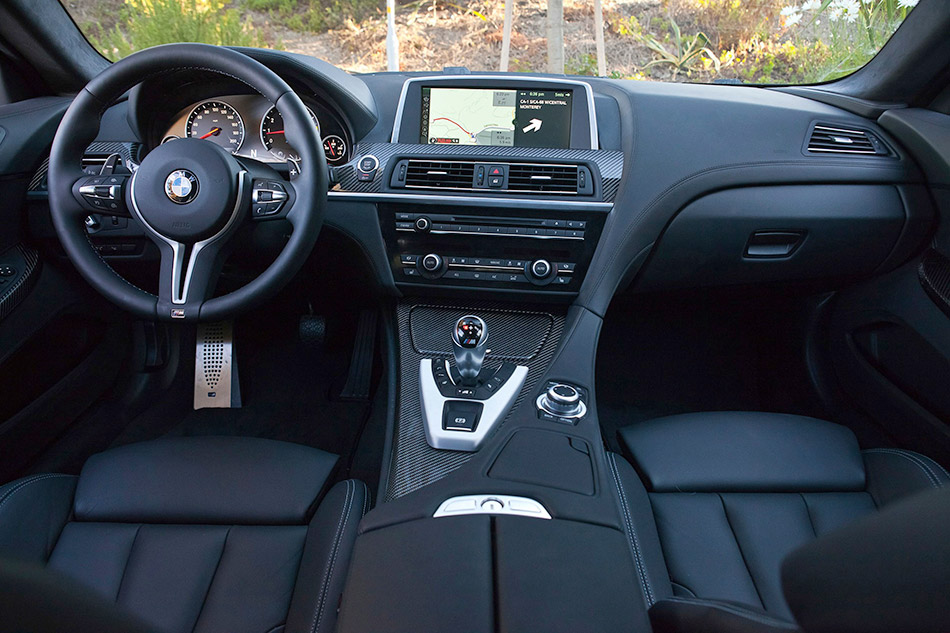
(484, 177)
(562, 179)
(826, 139)
(440, 174)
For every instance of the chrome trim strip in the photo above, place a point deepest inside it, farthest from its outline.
(526, 79)
(543, 204)
(179, 290)
(533, 237)
(494, 410)
(483, 504)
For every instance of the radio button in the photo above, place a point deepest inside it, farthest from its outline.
(423, 224)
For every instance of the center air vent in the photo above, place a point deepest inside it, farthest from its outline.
(440, 174)
(826, 139)
(520, 178)
(543, 178)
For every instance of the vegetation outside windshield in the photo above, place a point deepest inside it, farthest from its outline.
(748, 41)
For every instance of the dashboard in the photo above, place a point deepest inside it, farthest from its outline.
(561, 189)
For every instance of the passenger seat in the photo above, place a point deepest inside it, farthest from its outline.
(732, 494)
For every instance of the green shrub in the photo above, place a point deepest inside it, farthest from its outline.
(583, 65)
(145, 23)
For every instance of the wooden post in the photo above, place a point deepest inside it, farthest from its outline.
(599, 38)
(506, 36)
(392, 42)
(555, 33)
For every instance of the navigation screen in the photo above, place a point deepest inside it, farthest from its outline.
(501, 118)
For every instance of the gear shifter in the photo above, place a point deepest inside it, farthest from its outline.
(469, 338)
(462, 405)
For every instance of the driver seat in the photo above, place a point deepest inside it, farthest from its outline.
(195, 534)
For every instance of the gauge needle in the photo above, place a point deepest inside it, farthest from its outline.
(214, 132)
(277, 132)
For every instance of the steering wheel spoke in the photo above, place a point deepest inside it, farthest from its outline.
(188, 274)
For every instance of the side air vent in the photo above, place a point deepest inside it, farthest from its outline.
(826, 139)
(532, 178)
(440, 174)
(543, 178)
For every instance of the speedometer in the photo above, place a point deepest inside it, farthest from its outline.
(218, 122)
(272, 134)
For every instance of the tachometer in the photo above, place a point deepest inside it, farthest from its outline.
(218, 122)
(272, 135)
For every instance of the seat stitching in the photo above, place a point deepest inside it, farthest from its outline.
(23, 484)
(931, 476)
(916, 459)
(347, 503)
(632, 539)
(736, 610)
(735, 537)
(926, 462)
(365, 499)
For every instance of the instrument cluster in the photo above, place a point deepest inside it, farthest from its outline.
(250, 126)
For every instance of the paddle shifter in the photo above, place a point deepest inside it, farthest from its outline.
(469, 340)
(461, 406)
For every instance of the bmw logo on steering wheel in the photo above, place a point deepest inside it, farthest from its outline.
(181, 186)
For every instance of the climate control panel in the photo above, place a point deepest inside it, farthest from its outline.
(530, 251)
(490, 270)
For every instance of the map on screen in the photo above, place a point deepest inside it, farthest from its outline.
(499, 118)
(471, 117)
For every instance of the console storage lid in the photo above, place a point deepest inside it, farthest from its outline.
(492, 573)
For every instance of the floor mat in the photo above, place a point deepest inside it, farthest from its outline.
(288, 392)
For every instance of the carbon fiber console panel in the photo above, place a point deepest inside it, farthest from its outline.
(934, 274)
(525, 337)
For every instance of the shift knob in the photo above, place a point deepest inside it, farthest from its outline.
(469, 337)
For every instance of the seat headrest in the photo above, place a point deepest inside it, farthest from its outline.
(222, 480)
(744, 452)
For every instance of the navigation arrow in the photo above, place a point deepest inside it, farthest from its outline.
(534, 126)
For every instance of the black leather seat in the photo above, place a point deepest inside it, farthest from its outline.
(195, 534)
(732, 494)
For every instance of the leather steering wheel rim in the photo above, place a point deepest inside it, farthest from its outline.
(79, 128)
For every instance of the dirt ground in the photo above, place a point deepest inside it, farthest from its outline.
(433, 36)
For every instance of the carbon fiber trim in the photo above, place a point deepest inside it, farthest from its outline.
(608, 162)
(26, 261)
(934, 274)
(128, 152)
(514, 336)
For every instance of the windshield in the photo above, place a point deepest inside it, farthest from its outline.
(730, 41)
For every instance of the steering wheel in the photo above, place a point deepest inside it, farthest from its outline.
(190, 196)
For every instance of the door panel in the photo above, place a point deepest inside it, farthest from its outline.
(61, 346)
(890, 336)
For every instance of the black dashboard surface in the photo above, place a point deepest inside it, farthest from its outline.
(661, 147)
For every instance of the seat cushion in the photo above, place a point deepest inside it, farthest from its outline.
(744, 452)
(732, 494)
(208, 480)
(196, 534)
